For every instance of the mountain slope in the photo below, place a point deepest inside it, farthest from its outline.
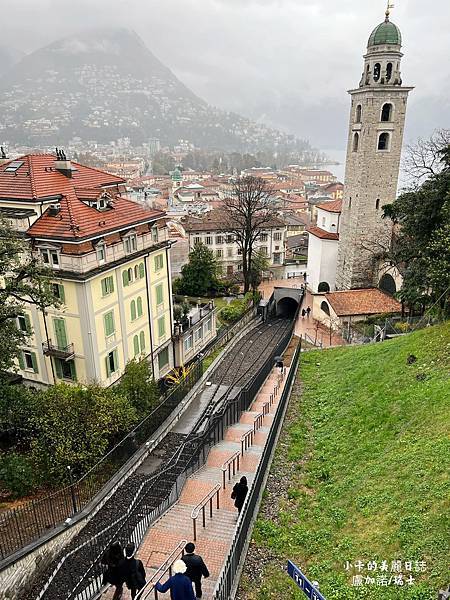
(106, 84)
(8, 58)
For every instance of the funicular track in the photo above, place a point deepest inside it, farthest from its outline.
(75, 574)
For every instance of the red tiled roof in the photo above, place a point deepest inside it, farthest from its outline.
(37, 178)
(322, 234)
(76, 220)
(335, 206)
(369, 301)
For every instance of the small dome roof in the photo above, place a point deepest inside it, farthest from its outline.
(385, 33)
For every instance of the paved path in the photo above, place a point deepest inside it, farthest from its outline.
(213, 542)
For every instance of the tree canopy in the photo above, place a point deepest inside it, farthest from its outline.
(421, 247)
(199, 277)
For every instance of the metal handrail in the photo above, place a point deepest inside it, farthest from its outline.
(159, 573)
(245, 443)
(258, 423)
(231, 463)
(201, 506)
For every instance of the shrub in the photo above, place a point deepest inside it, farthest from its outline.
(16, 474)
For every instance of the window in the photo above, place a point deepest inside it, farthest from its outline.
(125, 279)
(136, 345)
(130, 274)
(388, 72)
(133, 310)
(188, 343)
(323, 287)
(208, 325)
(161, 327)
(142, 341)
(358, 113)
(326, 309)
(377, 204)
(386, 112)
(112, 363)
(376, 71)
(240, 267)
(141, 270)
(28, 362)
(159, 294)
(197, 240)
(24, 323)
(324, 220)
(208, 240)
(159, 262)
(350, 202)
(59, 326)
(50, 257)
(198, 334)
(239, 251)
(130, 243)
(277, 236)
(65, 369)
(383, 141)
(277, 258)
(139, 307)
(154, 234)
(230, 239)
(163, 358)
(107, 285)
(355, 142)
(219, 252)
(229, 252)
(108, 322)
(263, 250)
(263, 237)
(58, 291)
(12, 167)
(101, 252)
(219, 239)
(136, 272)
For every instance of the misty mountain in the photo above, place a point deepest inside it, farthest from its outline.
(106, 84)
(8, 58)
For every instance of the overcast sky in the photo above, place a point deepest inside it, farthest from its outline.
(287, 62)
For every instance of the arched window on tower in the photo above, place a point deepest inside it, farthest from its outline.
(326, 309)
(383, 141)
(386, 112)
(388, 72)
(367, 74)
(376, 71)
(355, 142)
(358, 113)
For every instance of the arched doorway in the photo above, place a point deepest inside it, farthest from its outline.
(387, 284)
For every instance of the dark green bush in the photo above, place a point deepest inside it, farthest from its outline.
(16, 474)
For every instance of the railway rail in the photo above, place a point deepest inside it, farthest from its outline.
(75, 574)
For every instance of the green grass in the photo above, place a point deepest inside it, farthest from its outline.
(363, 464)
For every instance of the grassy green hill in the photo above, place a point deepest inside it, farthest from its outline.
(361, 473)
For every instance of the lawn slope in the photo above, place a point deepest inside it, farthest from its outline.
(360, 473)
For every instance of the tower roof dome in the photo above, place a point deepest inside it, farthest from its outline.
(385, 33)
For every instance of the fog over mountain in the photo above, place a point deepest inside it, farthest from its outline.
(284, 62)
(105, 84)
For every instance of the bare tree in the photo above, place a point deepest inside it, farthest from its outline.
(424, 158)
(248, 211)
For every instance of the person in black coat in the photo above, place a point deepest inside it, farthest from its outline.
(132, 570)
(196, 568)
(112, 559)
(239, 493)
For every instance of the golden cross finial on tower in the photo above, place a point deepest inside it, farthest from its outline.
(388, 9)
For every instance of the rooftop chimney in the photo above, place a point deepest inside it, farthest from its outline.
(3, 157)
(62, 164)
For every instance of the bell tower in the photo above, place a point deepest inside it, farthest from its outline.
(377, 118)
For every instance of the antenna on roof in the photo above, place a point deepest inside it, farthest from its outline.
(388, 9)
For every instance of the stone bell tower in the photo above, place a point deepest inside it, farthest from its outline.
(377, 119)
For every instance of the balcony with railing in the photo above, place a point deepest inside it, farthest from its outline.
(63, 352)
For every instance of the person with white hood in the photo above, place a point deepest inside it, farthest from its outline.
(179, 585)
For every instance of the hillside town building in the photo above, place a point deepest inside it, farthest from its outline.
(110, 259)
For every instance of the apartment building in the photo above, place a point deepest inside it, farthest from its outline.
(111, 263)
(211, 230)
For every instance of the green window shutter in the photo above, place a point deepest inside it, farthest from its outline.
(58, 368)
(136, 345)
(27, 322)
(34, 362)
(108, 369)
(104, 290)
(125, 278)
(161, 326)
(133, 310)
(59, 327)
(111, 283)
(116, 360)
(21, 361)
(141, 270)
(142, 340)
(73, 370)
(139, 306)
(62, 295)
(159, 294)
(108, 320)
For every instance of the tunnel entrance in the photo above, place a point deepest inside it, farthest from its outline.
(286, 308)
